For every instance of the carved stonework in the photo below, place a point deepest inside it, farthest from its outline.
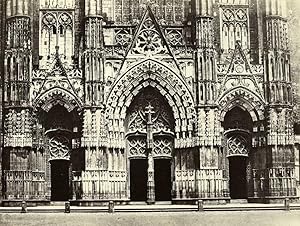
(59, 148)
(18, 128)
(161, 117)
(162, 147)
(239, 85)
(137, 147)
(174, 37)
(149, 40)
(57, 85)
(237, 146)
(202, 87)
(234, 27)
(151, 73)
(161, 121)
(123, 37)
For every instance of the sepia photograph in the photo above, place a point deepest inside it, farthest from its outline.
(150, 112)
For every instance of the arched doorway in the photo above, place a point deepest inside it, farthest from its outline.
(237, 131)
(150, 139)
(59, 126)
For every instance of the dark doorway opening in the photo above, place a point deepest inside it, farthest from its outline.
(162, 179)
(59, 180)
(138, 179)
(237, 177)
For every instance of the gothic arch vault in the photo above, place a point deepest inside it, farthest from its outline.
(55, 96)
(157, 75)
(243, 98)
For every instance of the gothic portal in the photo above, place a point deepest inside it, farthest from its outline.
(146, 101)
(150, 145)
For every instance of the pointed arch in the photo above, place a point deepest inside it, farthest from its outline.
(243, 98)
(155, 74)
(54, 96)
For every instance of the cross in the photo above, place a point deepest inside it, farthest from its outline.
(149, 111)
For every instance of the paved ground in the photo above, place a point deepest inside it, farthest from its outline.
(255, 218)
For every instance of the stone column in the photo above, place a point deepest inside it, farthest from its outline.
(150, 171)
(150, 182)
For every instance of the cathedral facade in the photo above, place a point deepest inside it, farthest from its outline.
(138, 100)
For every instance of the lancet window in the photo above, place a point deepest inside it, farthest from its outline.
(235, 27)
(56, 30)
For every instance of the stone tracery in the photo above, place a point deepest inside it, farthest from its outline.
(59, 147)
(161, 119)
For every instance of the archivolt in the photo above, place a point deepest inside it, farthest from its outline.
(54, 96)
(244, 98)
(157, 75)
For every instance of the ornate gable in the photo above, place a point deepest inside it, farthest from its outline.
(149, 42)
(241, 84)
(239, 63)
(149, 39)
(57, 85)
(240, 73)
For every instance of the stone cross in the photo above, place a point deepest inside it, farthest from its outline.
(149, 111)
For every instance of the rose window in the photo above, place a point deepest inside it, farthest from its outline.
(149, 40)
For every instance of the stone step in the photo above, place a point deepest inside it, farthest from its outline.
(137, 203)
(163, 202)
(238, 201)
(57, 203)
(145, 203)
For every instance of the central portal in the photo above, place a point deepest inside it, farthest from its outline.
(150, 143)
(162, 179)
(59, 180)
